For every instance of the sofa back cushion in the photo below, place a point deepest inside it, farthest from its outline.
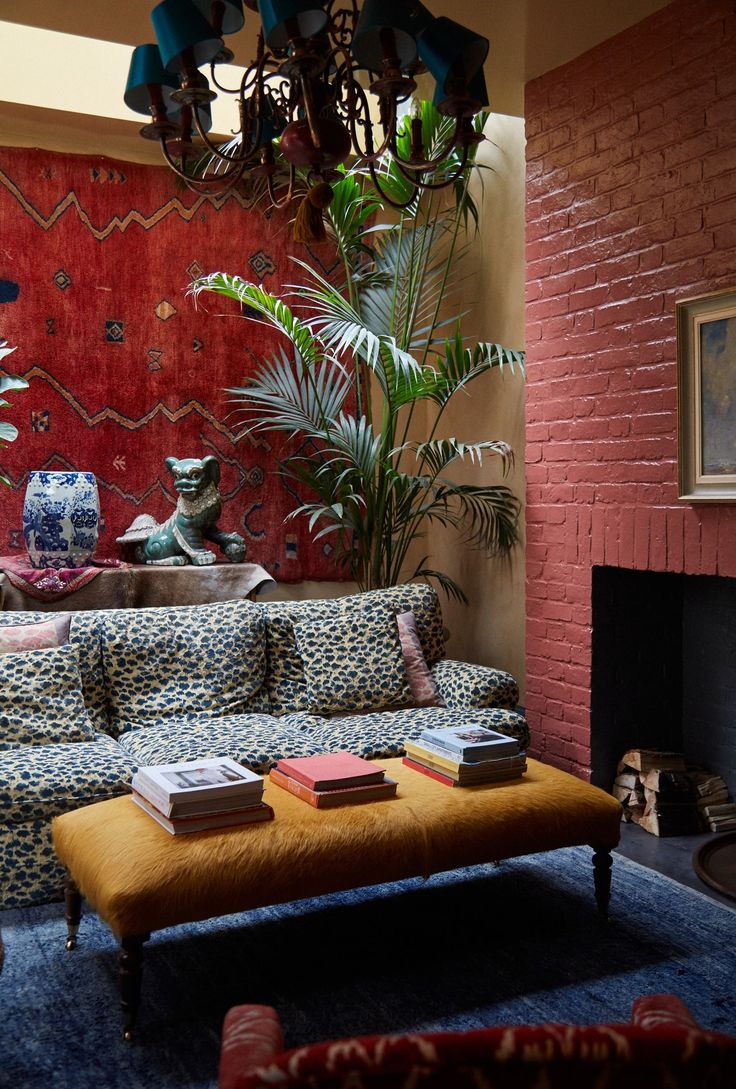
(41, 699)
(191, 661)
(353, 662)
(287, 686)
(84, 635)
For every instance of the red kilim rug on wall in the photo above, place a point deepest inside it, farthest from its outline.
(124, 371)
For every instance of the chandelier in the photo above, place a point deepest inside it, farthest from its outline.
(328, 79)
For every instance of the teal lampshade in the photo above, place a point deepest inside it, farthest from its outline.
(286, 19)
(475, 90)
(180, 27)
(232, 17)
(455, 56)
(405, 19)
(146, 70)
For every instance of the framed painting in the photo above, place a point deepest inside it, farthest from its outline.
(706, 392)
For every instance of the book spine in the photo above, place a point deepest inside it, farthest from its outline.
(430, 772)
(299, 790)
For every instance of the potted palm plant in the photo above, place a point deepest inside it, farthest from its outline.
(372, 359)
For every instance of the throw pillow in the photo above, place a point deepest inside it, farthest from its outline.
(53, 632)
(160, 664)
(421, 682)
(41, 699)
(352, 663)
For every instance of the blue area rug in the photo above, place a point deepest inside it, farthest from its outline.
(520, 942)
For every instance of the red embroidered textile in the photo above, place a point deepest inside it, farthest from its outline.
(50, 583)
(124, 370)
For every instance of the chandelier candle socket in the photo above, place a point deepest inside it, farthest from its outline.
(307, 85)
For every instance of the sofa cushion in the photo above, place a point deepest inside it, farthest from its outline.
(84, 635)
(353, 662)
(162, 664)
(287, 688)
(381, 735)
(256, 741)
(38, 783)
(465, 684)
(53, 631)
(41, 699)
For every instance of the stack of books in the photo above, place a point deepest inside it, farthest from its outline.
(466, 756)
(333, 778)
(199, 794)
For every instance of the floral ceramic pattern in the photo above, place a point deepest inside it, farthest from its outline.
(61, 513)
(41, 699)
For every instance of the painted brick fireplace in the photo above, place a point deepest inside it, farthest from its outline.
(631, 206)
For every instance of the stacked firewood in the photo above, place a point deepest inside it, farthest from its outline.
(665, 795)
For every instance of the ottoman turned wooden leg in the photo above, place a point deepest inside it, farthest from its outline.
(72, 911)
(602, 863)
(130, 970)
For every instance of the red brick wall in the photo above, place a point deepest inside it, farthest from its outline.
(631, 205)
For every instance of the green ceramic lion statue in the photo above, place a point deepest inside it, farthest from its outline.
(181, 538)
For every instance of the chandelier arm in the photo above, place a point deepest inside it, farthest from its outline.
(384, 195)
(354, 91)
(456, 174)
(433, 163)
(275, 201)
(200, 184)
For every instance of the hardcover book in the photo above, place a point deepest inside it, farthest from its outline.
(252, 814)
(466, 774)
(327, 799)
(332, 770)
(180, 789)
(450, 778)
(446, 761)
(472, 743)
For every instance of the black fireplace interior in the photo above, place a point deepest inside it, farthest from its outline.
(663, 669)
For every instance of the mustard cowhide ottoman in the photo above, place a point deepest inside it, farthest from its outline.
(138, 878)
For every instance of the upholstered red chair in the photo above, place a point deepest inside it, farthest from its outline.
(662, 1047)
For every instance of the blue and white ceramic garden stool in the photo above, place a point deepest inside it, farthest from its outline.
(61, 516)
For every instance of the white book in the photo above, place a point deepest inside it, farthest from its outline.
(472, 743)
(252, 814)
(183, 787)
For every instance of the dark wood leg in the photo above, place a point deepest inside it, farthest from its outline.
(130, 969)
(72, 911)
(602, 863)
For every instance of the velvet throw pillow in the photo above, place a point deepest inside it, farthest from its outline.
(41, 699)
(191, 662)
(424, 690)
(352, 663)
(53, 632)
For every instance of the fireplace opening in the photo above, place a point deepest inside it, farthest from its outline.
(663, 669)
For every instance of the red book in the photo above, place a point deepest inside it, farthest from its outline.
(430, 772)
(326, 799)
(332, 770)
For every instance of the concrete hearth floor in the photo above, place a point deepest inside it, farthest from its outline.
(670, 855)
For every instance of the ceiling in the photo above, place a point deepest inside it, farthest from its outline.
(50, 98)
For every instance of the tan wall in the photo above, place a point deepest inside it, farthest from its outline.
(491, 629)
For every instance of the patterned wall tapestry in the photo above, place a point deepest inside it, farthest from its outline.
(95, 259)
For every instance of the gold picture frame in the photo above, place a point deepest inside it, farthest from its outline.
(706, 397)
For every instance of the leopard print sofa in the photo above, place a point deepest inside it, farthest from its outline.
(255, 681)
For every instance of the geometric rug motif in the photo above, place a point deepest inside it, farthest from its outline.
(124, 370)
